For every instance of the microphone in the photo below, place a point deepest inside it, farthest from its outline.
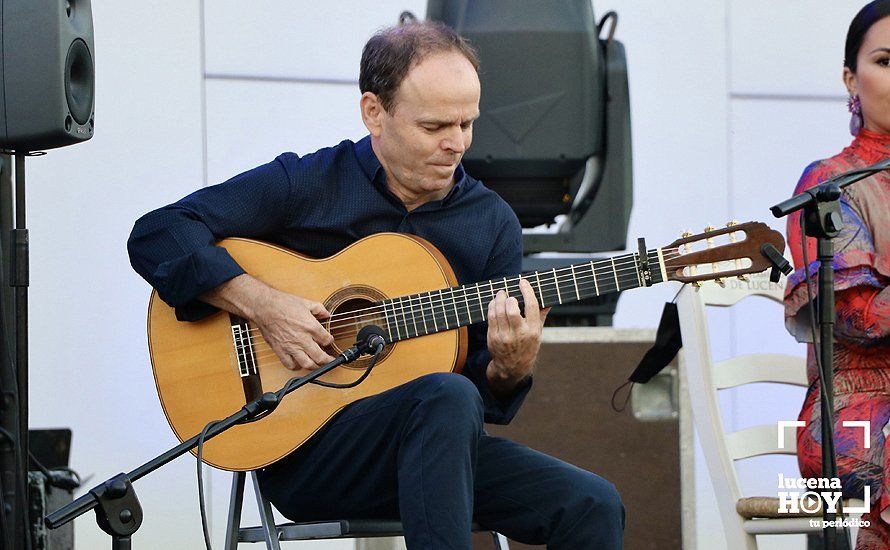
(371, 337)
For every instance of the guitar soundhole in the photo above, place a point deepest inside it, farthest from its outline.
(353, 308)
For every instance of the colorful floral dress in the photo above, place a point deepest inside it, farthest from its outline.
(862, 332)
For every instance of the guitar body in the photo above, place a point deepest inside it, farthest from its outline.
(199, 376)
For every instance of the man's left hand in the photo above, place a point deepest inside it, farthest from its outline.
(513, 340)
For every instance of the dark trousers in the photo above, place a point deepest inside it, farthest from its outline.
(419, 452)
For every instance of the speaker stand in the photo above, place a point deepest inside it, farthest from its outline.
(16, 396)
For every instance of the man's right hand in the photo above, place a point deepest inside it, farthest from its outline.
(289, 324)
(291, 327)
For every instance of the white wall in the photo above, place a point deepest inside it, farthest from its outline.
(89, 362)
(731, 99)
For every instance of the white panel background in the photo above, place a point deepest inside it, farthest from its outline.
(731, 99)
(793, 47)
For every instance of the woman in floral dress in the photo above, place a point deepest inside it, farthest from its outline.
(862, 273)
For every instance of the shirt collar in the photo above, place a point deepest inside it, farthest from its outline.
(372, 168)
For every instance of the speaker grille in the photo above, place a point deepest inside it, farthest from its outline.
(79, 81)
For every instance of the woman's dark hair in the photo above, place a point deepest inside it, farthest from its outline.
(390, 54)
(867, 16)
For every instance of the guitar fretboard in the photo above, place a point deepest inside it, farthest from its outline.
(449, 308)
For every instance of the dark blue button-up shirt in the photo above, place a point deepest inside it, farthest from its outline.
(317, 205)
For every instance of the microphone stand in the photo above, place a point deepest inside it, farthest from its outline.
(823, 220)
(118, 511)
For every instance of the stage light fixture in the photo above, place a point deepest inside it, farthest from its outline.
(553, 136)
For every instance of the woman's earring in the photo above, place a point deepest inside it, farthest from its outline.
(855, 107)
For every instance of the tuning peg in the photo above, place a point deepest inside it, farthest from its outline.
(710, 239)
(687, 248)
(714, 267)
(720, 281)
(733, 240)
(732, 223)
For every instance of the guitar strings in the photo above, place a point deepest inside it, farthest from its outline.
(264, 351)
(512, 284)
(338, 322)
(264, 346)
(548, 291)
(453, 299)
(426, 313)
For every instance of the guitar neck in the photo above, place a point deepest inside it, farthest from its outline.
(449, 308)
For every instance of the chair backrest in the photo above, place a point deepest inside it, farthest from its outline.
(706, 377)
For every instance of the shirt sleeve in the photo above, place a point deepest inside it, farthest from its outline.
(504, 261)
(863, 316)
(174, 247)
(859, 280)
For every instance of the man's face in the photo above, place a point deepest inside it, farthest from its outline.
(421, 140)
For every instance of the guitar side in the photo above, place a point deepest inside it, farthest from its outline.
(197, 372)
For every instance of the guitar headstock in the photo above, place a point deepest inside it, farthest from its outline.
(732, 251)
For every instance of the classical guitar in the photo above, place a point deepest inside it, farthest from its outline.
(208, 369)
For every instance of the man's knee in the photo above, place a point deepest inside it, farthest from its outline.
(610, 505)
(591, 504)
(599, 501)
(452, 395)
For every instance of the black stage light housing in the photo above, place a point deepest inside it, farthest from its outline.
(553, 136)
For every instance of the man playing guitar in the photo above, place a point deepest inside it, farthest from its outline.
(417, 451)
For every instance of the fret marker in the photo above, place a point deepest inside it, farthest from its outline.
(454, 305)
(413, 316)
(433, 311)
(664, 275)
(386, 317)
(596, 287)
(637, 266)
(422, 314)
(575, 280)
(396, 313)
(556, 283)
(615, 273)
(467, 303)
(442, 301)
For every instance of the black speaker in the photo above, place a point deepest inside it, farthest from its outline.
(47, 81)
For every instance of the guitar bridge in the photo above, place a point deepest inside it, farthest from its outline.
(242, 342)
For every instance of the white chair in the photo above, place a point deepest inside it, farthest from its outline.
(743, 518)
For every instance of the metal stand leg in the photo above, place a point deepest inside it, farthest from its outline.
(236, 499)
(500, 541)
(269, 528)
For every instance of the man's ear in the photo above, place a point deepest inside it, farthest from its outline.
(372, 113)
